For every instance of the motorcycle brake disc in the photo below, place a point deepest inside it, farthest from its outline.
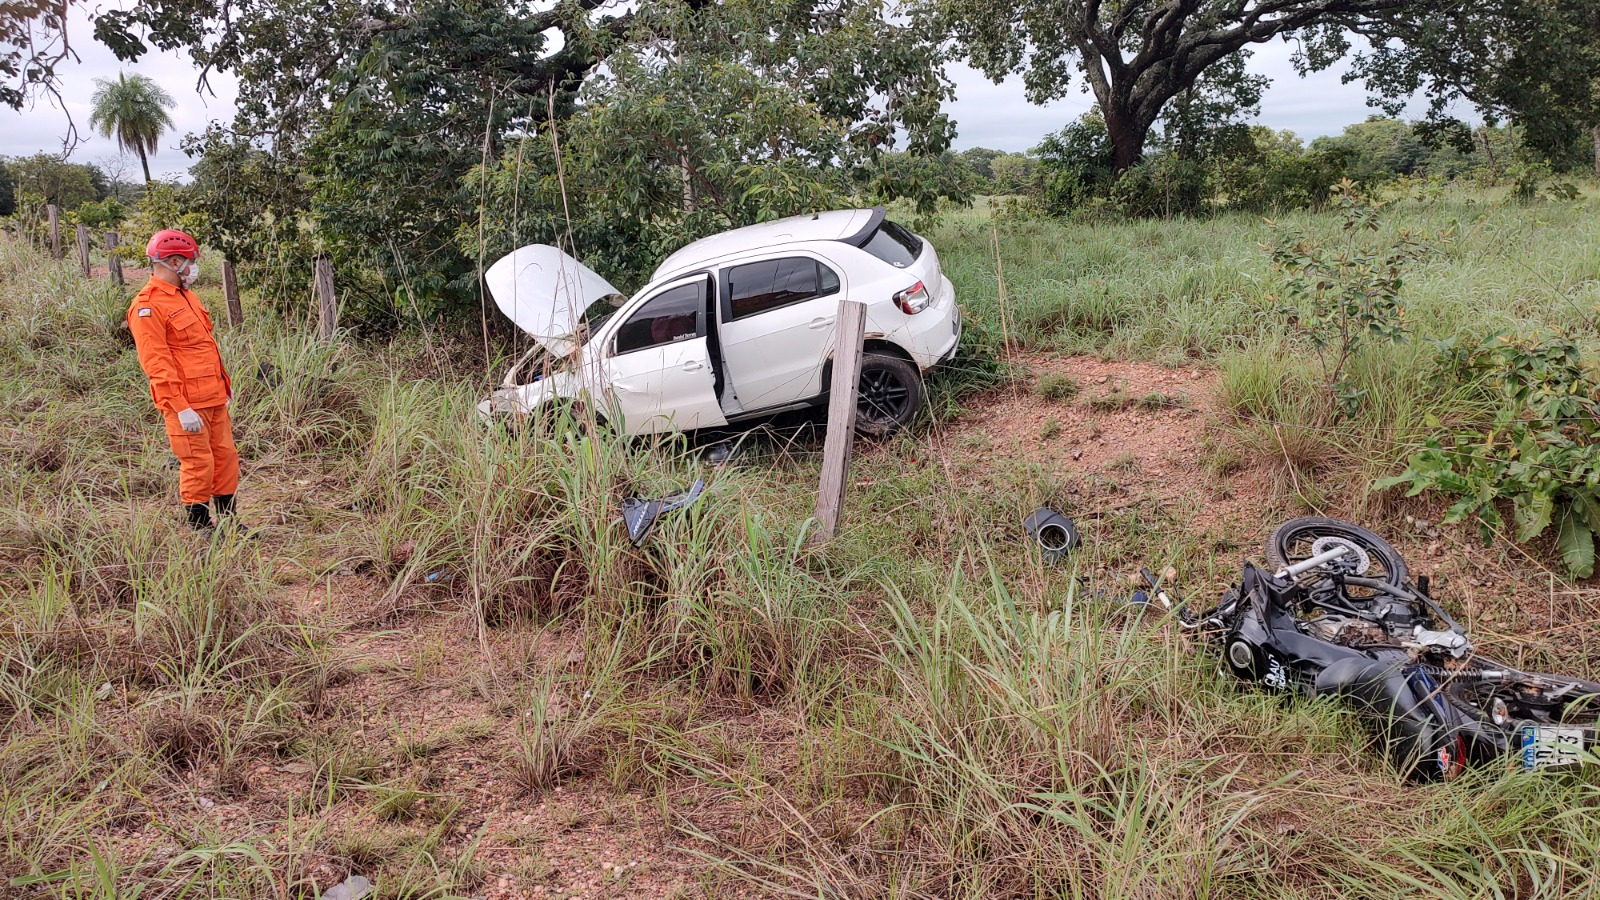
(1356, 562)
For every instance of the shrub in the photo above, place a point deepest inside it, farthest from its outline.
(1540, 452)
(1347, 297)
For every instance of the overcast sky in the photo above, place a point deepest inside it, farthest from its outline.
(988, 115)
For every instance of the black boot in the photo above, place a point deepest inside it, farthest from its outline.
(199, 516)
(225, 517)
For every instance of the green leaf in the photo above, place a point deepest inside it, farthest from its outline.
(1532, 512)
(1588, 507)
(1576, 541)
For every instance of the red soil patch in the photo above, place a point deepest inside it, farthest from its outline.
(1511, 598)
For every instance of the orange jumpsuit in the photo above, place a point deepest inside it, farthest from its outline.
(178, 352)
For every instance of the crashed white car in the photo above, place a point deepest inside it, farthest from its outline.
(732, 327)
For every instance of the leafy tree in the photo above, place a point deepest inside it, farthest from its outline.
(1076, 163)
(1534, 63)
(1377, 150)
(978, 159)
(44, 178)
(8, 190)
(1012, 173)
(134, 111)
(33, 42)
(720, 116)
(1136, 56)
(386, 110)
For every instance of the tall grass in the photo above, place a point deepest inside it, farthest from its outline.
(1194, 289)
(909, 711)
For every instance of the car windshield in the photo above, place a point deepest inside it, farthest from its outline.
(598, 312)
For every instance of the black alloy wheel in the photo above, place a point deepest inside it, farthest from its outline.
(887, 395)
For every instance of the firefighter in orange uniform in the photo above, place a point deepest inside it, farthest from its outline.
(188, 382)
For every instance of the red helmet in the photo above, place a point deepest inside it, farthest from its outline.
(172, 243)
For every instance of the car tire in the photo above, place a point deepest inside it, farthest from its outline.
(887, 394)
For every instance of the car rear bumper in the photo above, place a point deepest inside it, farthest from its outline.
(955, 341)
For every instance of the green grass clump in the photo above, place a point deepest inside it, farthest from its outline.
(1056, 386)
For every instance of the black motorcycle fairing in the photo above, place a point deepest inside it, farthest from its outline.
(1285, 657)
(1406, 719)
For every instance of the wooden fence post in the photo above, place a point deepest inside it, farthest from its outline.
(327, 307)
(113, 262)
(83, 248)
(230, 293)
(55, 230)
(841, 418)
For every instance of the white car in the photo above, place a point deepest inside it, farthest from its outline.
(732, 327)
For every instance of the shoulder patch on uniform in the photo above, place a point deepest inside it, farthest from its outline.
(144, 311)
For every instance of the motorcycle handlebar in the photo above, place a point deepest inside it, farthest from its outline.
(1306, 565)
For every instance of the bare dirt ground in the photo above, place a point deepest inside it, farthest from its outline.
(1148, 430)
(1133, 435)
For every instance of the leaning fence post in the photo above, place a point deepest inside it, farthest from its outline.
(113, 262)
(83, 248)
(230, 293)
(327, 307)
(841, 418)
(55, 230)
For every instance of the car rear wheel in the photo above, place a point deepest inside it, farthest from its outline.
(887, 395)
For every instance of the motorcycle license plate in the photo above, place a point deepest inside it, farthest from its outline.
(1551, 746)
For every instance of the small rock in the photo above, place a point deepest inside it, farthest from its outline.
(103, 692)
(206, 803)
(295, 768)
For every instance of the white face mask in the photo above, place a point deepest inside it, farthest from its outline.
(186, 270)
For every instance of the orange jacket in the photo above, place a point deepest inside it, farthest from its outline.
(176, 349)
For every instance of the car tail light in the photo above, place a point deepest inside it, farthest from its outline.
(912, 300)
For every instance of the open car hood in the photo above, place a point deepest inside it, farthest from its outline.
(545, 292)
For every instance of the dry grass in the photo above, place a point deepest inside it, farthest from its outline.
(440, 664)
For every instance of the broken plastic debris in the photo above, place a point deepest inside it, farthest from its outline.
(1055, 534)
(353, 888)
(639, 514)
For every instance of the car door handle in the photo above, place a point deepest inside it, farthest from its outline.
(820, 322)
(693, 365)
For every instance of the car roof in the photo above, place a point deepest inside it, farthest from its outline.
(853, 226)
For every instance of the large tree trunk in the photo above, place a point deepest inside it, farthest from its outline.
(146, 163)
(1127, 138)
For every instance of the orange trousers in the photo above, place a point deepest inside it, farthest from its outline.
(208, 462)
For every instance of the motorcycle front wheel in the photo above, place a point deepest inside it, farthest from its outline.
(1294, 540)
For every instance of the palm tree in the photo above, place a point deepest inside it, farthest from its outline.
(133, 110)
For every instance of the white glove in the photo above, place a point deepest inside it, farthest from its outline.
(190, 420)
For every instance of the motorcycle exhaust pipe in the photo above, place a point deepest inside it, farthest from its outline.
(1055, 534)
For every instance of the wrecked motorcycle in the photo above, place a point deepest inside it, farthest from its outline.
(1337, 614)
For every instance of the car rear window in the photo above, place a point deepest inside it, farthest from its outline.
(759, 287)
(894, 244)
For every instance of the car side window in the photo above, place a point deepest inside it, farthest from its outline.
(756, 288)
(670, 316)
